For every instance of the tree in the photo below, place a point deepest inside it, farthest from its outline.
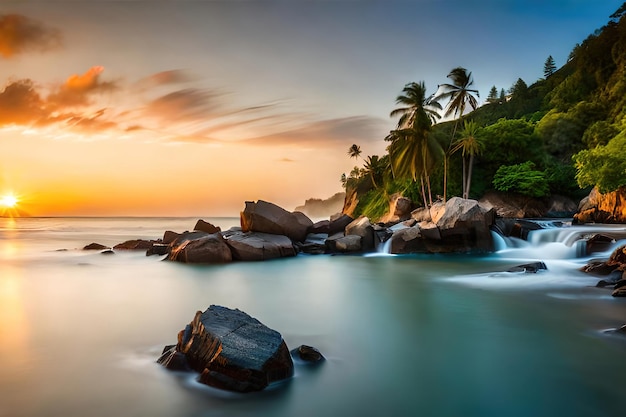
(460, 95)
(519, 90)
(412, 151)
(470, 146)
(521, 178)
(419, 111)
(603, 166)
(493, 95)
(374, 167)
(502, 95)
(354, 151)
(549, 67)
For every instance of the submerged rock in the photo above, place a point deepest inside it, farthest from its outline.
(231, 351)
(95, 246)
(308, 354)
(530, 268)
(135, 244)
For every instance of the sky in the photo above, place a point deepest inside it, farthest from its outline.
(191, 108)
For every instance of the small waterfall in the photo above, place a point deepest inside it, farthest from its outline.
(385, 247)
(553, 242)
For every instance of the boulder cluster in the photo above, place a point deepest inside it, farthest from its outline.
(268, 231)
(613, 271)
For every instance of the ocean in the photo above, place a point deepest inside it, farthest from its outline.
(411, 335)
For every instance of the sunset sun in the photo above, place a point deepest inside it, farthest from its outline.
(8, 201)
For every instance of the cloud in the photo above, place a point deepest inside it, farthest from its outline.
(187, 104)
(76, 90)
(19, 34)
(169, 77)
(21, 104)
(347, 130)
(90, 123)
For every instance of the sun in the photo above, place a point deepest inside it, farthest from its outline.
(8, 201)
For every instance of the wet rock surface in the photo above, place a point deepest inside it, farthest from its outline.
(231, 351)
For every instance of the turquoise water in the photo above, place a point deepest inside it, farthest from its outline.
(403, 335)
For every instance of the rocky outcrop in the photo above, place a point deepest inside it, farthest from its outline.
(613, 268)
(399, 209)
(253, 246)
(231, 351)
(602, 208)
(200, 247)
(318, 208)
(510, 205)
(461, 225)
(267, 217)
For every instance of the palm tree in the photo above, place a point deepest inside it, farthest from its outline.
(412, 153)
(375, 168)
(460, 95)
(419, 111)
(354, 151)
(471, 146)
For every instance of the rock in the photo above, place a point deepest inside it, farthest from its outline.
(618, 259)
(510, 205)
(158, 249)
(598, 243)
(233, 351)
(621, 330)
(363, 228)
(169, 237)
(407, 240)
(173, 360)
(95, 246)
(429, 230)
(267, 217)
(308, 354)
(399, 209)
(203, 226)
(135, 244)
(315, 244)
(304, 220)
(339, 243)
(466, 225)
(560, 207)
(530, 268)
(107, 252)
(421, 214)
(323, 226)
(436, 211)
(339, 224)
(200, 247)
(597, 267)
(619, 292)
(254, 246)
(602, 208)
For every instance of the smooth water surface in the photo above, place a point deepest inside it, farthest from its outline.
(403, 335)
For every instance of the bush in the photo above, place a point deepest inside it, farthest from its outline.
(521, 178)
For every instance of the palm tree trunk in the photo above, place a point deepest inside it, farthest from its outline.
(445, 160)
(464, 186)
(430, 195)
(423, 192)
(469, 174)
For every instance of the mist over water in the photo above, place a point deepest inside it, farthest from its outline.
(427, 335)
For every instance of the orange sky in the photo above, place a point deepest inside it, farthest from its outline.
(112, 108)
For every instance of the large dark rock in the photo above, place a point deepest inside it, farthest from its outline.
(530, 268)
(253, 246)
(267, 217)
(232, 351)
(200, 247)
(203, 226)
(339, 224)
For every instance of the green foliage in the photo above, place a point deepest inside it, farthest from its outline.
(561, 178)
(603, 166)
(509, 142)
(549, 67)
(521, 178)
(373, 204)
